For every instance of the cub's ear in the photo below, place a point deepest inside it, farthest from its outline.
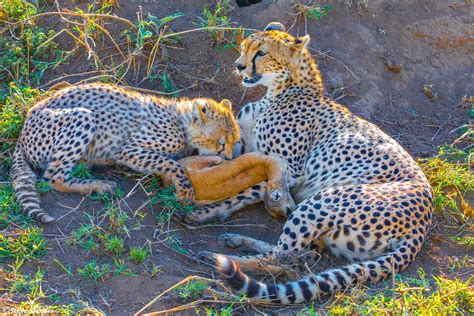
(199, 111)
(275, 26)
(227, 104)
(301, 42)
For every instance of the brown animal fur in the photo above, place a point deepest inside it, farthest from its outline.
(214, 179)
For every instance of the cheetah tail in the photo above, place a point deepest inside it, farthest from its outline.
(312, 286)
(24, 184)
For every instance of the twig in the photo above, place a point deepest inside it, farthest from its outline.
(73, 210)
(189, 278)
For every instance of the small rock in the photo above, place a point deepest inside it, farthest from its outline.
(392, 66)
(428, 91)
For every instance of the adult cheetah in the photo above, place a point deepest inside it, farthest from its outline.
(105, 124)
(359, 193)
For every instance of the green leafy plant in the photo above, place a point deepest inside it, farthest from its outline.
(16, 10)
(218, 24)
(313, 11)
(25, 59)
(147, 28)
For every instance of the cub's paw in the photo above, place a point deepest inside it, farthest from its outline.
(201, 215)
(104, 186)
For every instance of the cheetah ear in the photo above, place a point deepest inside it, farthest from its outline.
(199, 112)
(274, 26)
(301, 42)
(227, 104)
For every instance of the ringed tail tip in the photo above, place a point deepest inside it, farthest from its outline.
(225, 266)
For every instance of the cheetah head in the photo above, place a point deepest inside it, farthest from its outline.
(213, 129)
(270, 56)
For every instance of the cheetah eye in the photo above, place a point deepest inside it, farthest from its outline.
(261, 53)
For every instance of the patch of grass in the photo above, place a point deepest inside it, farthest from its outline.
(215, 18)
(96, 239)
(34, 307)
(116, 219)
(22, 245)
(27, 57)
(465, 241)
(166, 198)
(29, 284)
(114, 245)
(449, 297)
(313, 11)
(457, 263)
(81, 171)
(450, 181)
(154, 271)
(84, 237)
(138, 255)
(121, 269)
(217, 23)
(224, 311)
(43, 187)
(10, 210)
(93, 272)
(176, 243)
(147, 28)
(192, 289)
(16, 10)
(15, 101)
(167, 84)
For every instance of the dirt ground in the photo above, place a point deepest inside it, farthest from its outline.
(432, 41)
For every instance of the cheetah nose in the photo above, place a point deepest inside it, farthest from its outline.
(239, 66)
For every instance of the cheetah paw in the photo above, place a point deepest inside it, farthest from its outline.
(206, 256)
(107, 187)
(230, 240)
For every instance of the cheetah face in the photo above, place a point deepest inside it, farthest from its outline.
(270, 56)
(213, 130)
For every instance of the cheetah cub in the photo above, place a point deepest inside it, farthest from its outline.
(105, 124)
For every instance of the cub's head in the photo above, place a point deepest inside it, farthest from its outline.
(212, 129)
(270, 56)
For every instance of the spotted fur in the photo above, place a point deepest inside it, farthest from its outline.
(105, 124)
(359, 193)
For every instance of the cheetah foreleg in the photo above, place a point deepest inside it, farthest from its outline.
(147, 160)
(222, 210)
(237, 240)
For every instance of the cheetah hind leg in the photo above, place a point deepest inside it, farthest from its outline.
(69, 150)
(264, 265)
